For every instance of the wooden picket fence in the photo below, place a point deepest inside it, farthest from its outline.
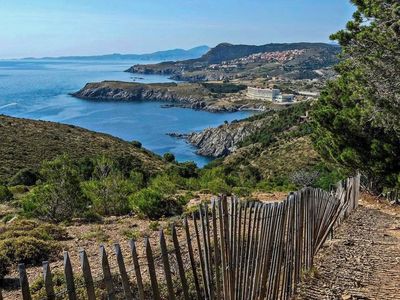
(229, 250)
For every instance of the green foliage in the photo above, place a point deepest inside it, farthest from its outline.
(109, 196)
(26, 177)
(280, 121)
(5, 265)
(169, 157)
(98, 234)
(29, 242)
(222, 88)
(241, 191)
(60, 197)
(136, 144)
(356, 122)
(279, 184)
(153, 204)
(5, 194)
(154, 225)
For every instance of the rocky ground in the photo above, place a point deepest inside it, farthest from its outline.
(363, 259)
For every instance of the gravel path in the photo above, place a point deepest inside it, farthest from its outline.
(363, 259)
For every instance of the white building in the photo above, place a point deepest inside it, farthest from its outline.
(268, 94)
(263, 94)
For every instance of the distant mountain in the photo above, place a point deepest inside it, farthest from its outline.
(167, 55)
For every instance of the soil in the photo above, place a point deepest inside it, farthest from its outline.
(362, 261)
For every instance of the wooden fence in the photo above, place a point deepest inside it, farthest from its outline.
(229, 250)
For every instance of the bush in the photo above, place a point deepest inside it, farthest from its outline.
(28, 249)
(5, 194)
(241, 191)
(60, 197)
(169, 157)
(5, 264)
(109, 196)
(24, 177)
(136, 144)
(152, 204)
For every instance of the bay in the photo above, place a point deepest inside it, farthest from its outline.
(39, 89)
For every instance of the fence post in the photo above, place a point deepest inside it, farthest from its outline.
(122, 272)
(192, 261)
(87, 275)
(152, 271)
(137, 269)
(167, 268)
(23, 281)
(48, 281)
(69, 277)
(181, 269)
(107, 273)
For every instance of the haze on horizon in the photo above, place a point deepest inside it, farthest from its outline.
(93, 27)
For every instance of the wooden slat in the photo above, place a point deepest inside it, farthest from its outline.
(206, 255)
(69, 277)
(167, 268)
(216, 251)
(107, 278)
(48, 281)
(192, 261)
(182, 275)
(23, 281)
(200, 253)
(87, 275)
(151, 269)
(122, 272)
(136, 266)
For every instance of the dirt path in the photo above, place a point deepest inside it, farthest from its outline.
(363, 259)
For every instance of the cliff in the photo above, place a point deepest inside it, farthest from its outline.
(223, 140)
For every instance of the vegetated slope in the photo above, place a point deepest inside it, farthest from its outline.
(221, 62)
(26, 143)
(273, 145)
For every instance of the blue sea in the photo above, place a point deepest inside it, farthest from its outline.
(39, 89)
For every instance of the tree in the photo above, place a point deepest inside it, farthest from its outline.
(356, 120)
(59, 197)
(169, 157)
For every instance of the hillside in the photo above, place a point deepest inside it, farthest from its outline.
(26, 143)
(227, 61)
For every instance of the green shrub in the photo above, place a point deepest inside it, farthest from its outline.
(18, 189)
(5, 265)
(97, 234)
(5, 194)
(154, 225)
(28, 249)
(136, 144)
(109, 196)
(169, 157)
(91, 216)
(24, 177)
(241, 191)
(152, 204)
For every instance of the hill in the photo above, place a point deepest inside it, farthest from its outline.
(26, 143)
(173, 54)
(227, 61)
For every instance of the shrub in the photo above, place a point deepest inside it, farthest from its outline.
(241, 191)
(97, 234)
(152, 204)
(169, 157)
(5, 194)
(109, 196)
(136, 144)
(154, 226)
(60, 197)
(28, 249)
(5, 264)
(24, 177)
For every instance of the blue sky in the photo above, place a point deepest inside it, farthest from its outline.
(85, 27)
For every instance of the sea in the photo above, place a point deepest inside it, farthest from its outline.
(39, 89)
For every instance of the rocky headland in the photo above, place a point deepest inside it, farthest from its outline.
(222, 140)
(188, 95)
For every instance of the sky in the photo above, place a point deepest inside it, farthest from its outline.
(37, 28)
